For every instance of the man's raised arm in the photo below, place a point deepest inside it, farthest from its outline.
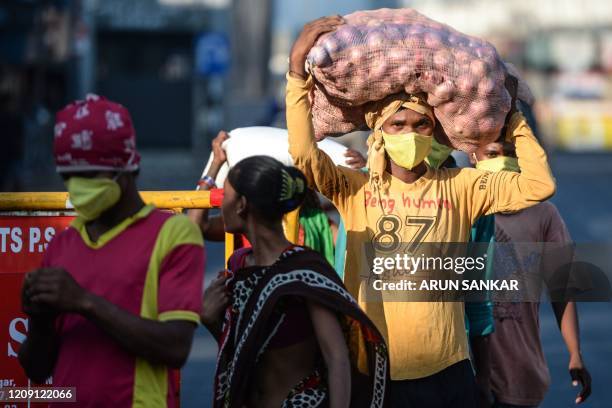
(335, 183)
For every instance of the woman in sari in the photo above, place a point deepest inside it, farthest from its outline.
(289, 333)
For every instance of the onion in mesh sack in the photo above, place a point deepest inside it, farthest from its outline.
(381, 52)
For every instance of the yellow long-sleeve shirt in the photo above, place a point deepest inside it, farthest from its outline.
(441, 206)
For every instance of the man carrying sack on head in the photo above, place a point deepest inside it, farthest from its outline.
(403, 201)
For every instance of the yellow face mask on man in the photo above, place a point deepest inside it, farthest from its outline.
(407, 149)
(92, 196)
(438, 155)
(498, 164)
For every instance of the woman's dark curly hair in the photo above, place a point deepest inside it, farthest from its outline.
(271, 188)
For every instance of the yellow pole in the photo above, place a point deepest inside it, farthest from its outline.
(176, 201)
(292, 225)
(59, 200)
(229, 246)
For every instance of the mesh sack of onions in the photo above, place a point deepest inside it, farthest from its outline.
(381, 52)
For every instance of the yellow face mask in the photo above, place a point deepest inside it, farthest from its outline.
(438, 155)
(498, 164)
(92, 196)
(407, 149)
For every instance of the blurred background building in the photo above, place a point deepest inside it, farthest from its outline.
(184, 69)
(564, 50)
(187, 68)
(154, 57)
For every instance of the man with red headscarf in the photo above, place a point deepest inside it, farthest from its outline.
(115, 303)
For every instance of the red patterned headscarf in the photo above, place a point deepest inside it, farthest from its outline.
(94, 135)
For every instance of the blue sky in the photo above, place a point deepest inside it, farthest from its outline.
(292, 14)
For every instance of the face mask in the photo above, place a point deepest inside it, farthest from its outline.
(407, 149)
(498, 164)
(438, 155)
(92, 196)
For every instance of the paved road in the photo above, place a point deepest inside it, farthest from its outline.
(584, 198)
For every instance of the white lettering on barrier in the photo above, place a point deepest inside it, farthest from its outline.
(49, 234)
(12, 239)
(17, 243)
(34, 238)
(7, 382)
(3, 233)
(16, 335)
